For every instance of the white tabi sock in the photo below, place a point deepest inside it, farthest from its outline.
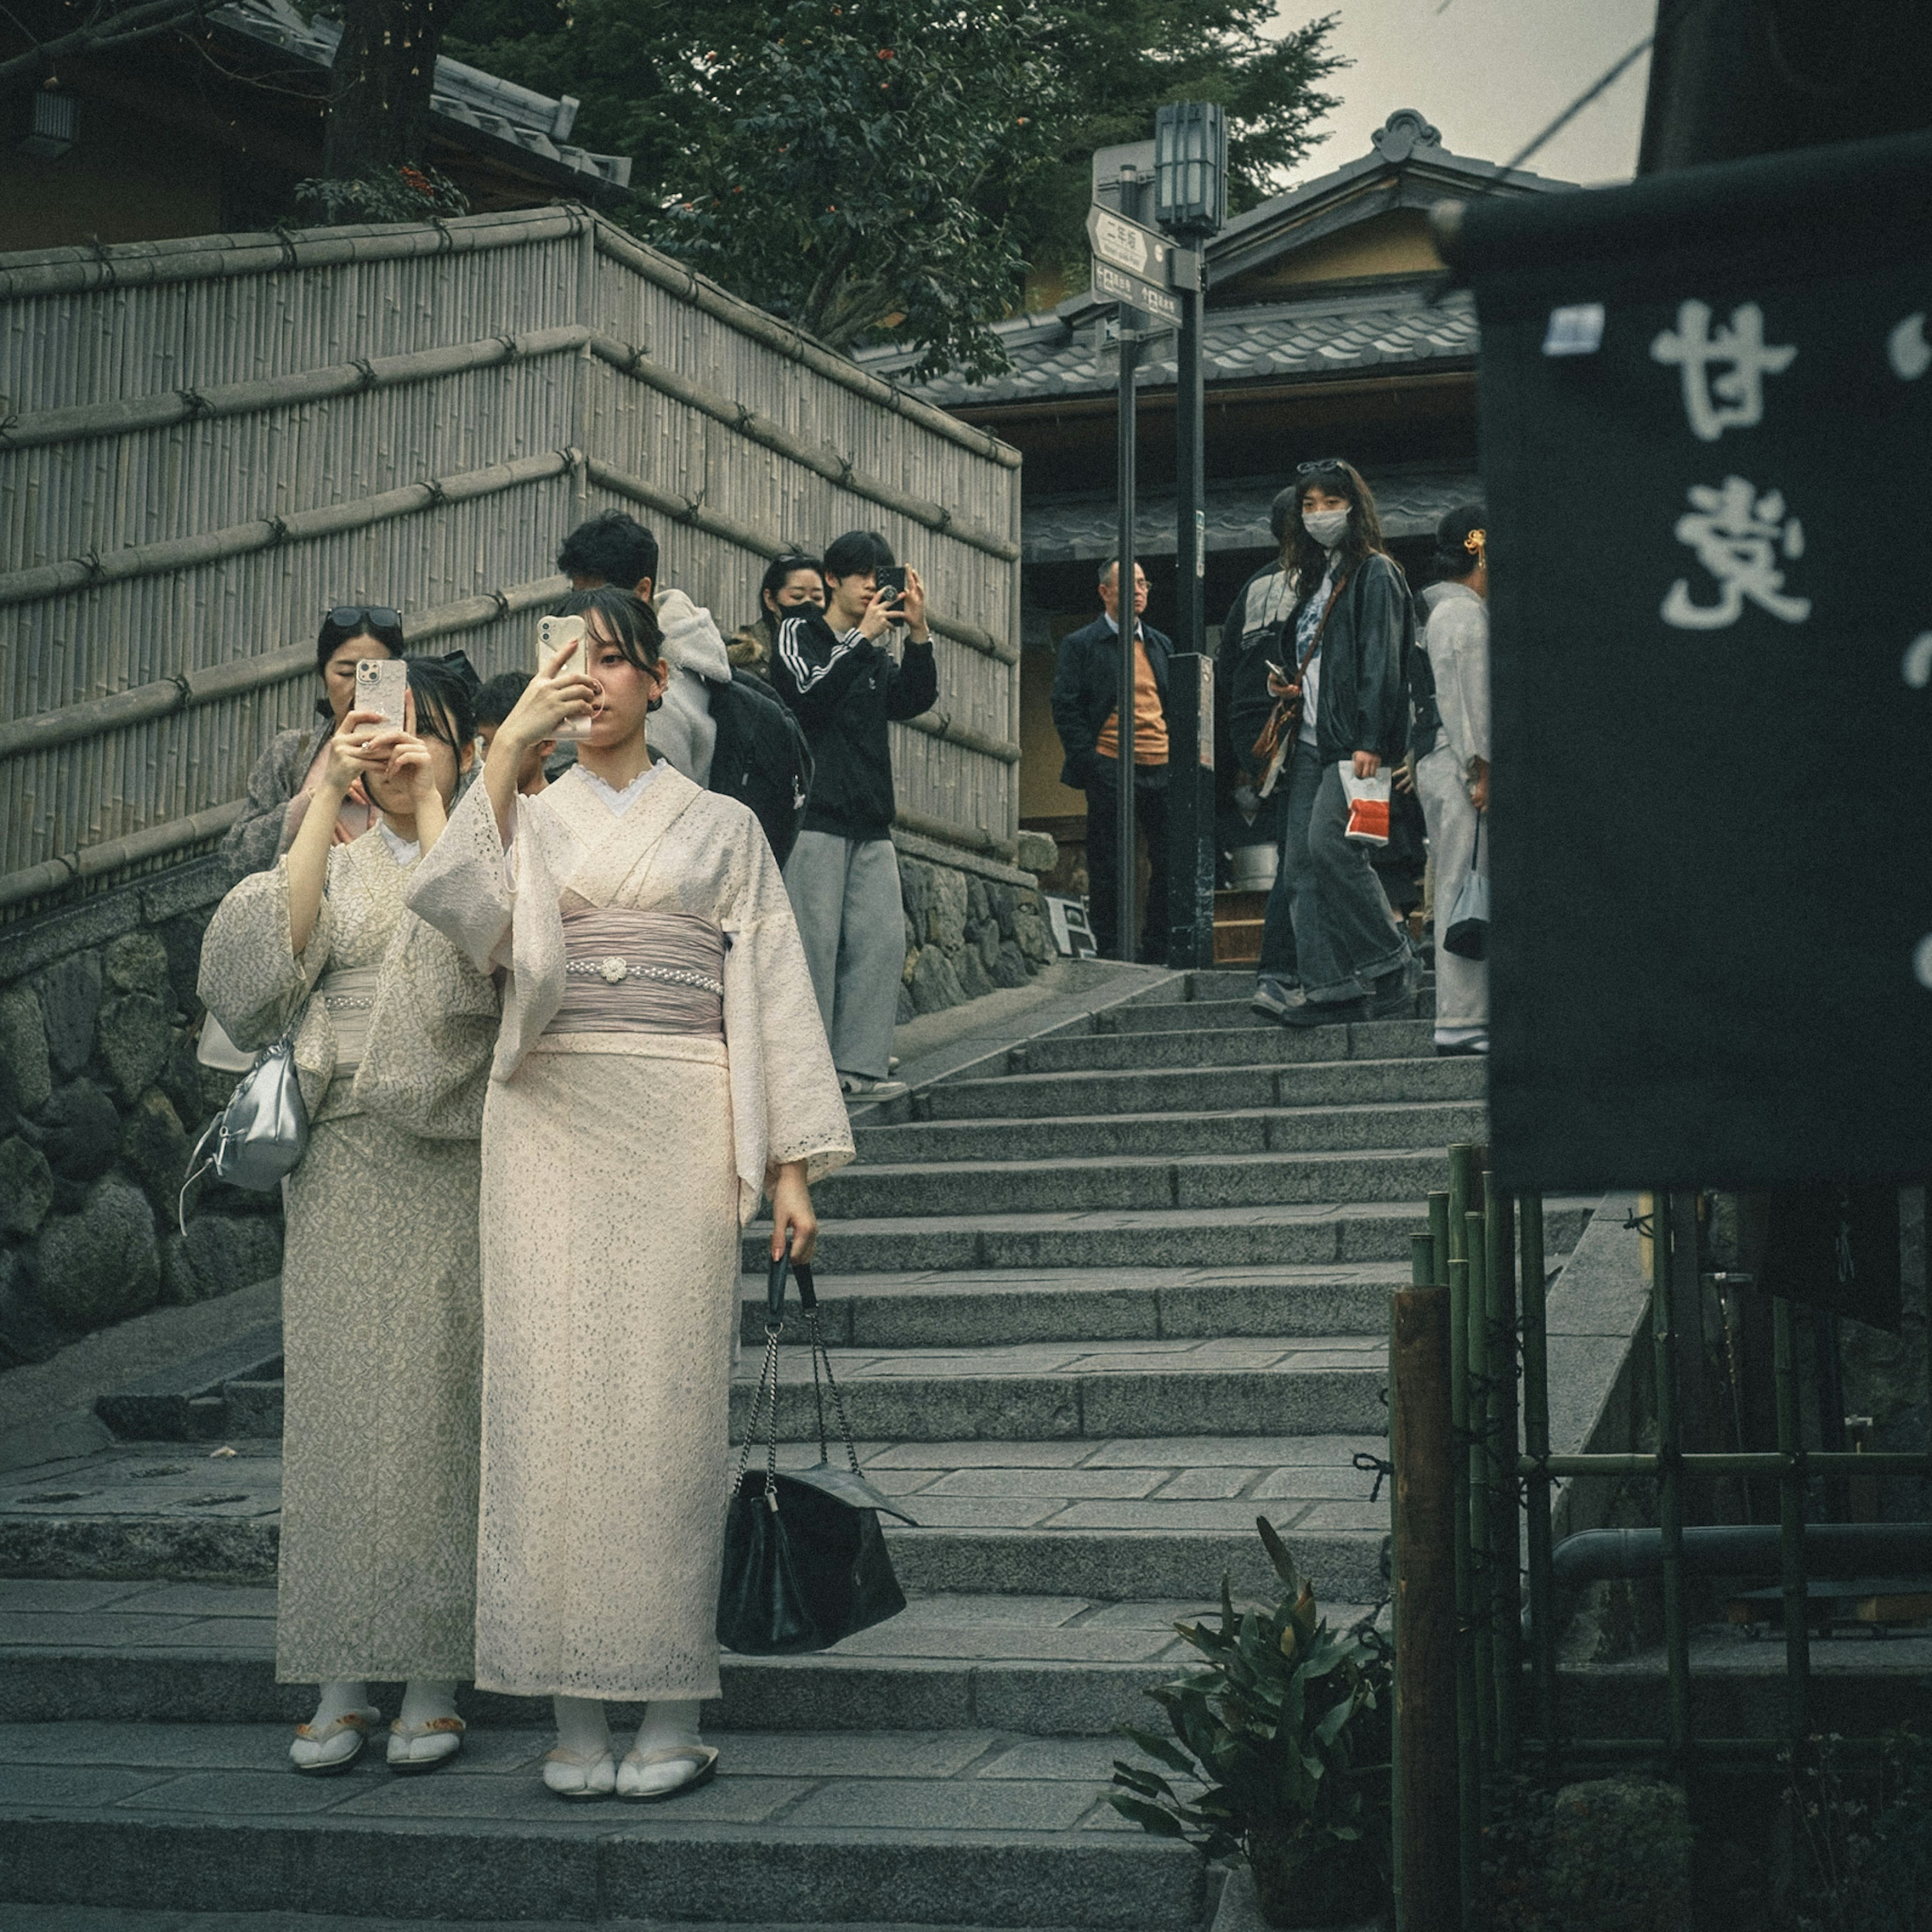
(581, 1727)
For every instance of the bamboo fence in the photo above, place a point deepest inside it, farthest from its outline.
(203, 444)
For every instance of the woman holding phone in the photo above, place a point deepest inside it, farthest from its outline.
(661, 1066)
(289, 774)
(381, 1314)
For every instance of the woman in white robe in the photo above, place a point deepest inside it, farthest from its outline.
(661, 1066)
(381, 1300)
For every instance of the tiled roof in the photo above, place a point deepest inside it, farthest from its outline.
(1058, 356)
(499, 109)
(1410, 499)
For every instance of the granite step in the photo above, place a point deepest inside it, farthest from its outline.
(1265, 1128)
(1334, 1083)
(1262, 1044)
(1106, 1519)
(1199, 1238)
(1066, 1184)
(1043, 1666)
(809, 1829)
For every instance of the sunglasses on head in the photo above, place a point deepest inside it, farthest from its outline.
(354, 617)
(1330, 464)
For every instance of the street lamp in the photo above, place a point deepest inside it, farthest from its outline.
(1190, 197)
(1190, 167)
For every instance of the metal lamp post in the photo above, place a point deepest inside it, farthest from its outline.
(1190, 170)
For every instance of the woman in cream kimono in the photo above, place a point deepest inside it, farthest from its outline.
(661, 1065)
(381, 1311)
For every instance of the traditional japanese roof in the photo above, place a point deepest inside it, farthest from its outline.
(1410, 499)
(1398, 321)
(478, 109)
(1060, 355)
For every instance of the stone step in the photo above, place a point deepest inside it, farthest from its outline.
(1191, 1237)
(1433, 1124)
(1325, 1083)
(1263, 1044)
(1121, 1182)
(811, 1829)
(140, 1918)
(204, 1653)
(1102, 1519)
(943, 1309)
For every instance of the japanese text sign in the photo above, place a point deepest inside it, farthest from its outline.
(1707, 459)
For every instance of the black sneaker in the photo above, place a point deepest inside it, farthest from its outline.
(1275, 1000)
(1393, 995)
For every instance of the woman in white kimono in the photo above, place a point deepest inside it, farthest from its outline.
(661, 1065)
(381, 1310)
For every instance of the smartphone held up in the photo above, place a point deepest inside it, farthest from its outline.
(890, 579)
(382, 686)
(553, 634)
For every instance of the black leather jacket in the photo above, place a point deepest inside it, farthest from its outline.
(1087, 690)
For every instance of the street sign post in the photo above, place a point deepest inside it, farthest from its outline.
(1116, 285)
(1132, 265)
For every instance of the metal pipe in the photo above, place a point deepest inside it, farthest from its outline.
(1791, 1534)
(1670, 1486)
(1482, 1553)
(1427, 1848)
(1737, 1463)
(1505, 1540)
(1536, 1441)
(1838, 1549)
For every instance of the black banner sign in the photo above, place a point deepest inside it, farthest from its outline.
(1707, 451)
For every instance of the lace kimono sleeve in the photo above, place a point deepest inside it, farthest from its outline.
(784, 1086)
(462, 886)
(433, 1029)
(252, 980)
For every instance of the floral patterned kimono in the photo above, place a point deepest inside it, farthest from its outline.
(381, 1314)
(662, 1053)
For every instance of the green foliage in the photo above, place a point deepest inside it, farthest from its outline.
(1275, 1726)
(844, 179)
(774, 147)
(1866, 1831)
(378, 194)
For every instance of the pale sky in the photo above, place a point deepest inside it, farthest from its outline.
(1491, 75)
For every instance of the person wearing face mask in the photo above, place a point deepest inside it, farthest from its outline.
(1331, 949)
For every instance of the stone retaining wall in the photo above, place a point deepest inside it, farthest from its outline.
(102, 1099)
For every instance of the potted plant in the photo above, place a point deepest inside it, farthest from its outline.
(1285, 1728)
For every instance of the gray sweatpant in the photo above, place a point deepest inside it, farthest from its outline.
(1462, 985)
(845, 896)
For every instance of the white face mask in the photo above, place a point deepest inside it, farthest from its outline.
(1328, 527)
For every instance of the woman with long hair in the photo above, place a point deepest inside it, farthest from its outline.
(661, 1066)
(289, 774)
(381, 1308)
(1344, 648)
(790, 583)
(1452, 769)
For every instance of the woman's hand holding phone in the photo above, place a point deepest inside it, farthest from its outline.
(552, 698)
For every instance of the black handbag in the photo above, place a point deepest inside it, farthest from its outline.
(1467, 934)
(805, 1562)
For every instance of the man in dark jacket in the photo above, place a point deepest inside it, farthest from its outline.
(1086, 697)
(843, 875)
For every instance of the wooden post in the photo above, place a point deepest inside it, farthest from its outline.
(1428, 1885)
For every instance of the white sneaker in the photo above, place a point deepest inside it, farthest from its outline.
(856, 1086)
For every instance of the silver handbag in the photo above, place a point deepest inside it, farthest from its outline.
(262, 1131)
(1467, 934)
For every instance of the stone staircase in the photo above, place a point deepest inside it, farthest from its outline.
(1095, 1302)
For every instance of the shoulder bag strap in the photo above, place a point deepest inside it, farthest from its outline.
(1327, 611)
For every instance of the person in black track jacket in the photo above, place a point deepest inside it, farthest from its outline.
(836, 673)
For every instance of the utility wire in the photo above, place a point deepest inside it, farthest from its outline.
(1609, 77)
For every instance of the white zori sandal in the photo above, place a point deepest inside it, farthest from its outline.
(655, 1775)
(423, 1747)
(322, 1751)
(577, 1775)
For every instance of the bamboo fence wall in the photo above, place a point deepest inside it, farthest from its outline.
(203, 444)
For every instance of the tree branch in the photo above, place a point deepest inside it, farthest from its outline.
(117, 30)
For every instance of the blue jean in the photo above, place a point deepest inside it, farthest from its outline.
(1328, 925)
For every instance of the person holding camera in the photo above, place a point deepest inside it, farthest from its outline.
(1086, 701)
(659, 1070)
(836, 673)
(382, 1302)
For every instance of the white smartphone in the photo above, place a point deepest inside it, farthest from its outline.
(552, 634)
(383, 684)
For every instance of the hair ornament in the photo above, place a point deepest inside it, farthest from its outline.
(1477, 544)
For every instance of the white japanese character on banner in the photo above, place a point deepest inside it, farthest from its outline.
(1735, 399)
(1738, 536)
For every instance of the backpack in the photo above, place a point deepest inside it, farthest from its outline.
(761, 758)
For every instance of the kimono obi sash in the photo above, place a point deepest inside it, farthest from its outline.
(348, 995)
(641, 972)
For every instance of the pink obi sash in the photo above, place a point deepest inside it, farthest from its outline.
(641, 972)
